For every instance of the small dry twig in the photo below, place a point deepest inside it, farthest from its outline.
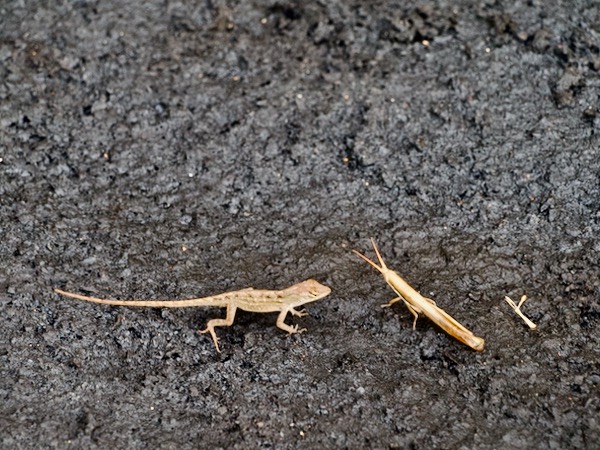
(517, 309)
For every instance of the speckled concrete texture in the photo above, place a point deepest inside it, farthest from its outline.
(153, 150)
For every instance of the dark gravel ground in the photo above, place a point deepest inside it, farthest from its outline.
(180, 149)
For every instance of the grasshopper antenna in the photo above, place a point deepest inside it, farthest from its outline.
(383, 267)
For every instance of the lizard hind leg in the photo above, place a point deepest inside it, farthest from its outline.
(226, 322)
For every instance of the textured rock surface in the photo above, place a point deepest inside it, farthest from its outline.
(177, 149)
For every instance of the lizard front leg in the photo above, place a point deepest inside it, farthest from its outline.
(300, 313)
(285, 327)
(226, 322)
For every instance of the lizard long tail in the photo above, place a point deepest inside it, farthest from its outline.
(203, 301)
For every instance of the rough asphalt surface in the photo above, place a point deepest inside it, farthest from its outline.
(159, 150)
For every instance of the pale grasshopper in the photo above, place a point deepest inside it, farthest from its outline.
(417, 304)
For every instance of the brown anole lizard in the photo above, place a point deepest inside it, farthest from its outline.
(254, 300)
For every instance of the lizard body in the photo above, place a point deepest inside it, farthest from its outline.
(283, 301)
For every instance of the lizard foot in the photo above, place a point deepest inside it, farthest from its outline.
(300, 313)
(294, 330)
(213, 335)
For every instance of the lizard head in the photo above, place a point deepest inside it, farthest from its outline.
(311, 290)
